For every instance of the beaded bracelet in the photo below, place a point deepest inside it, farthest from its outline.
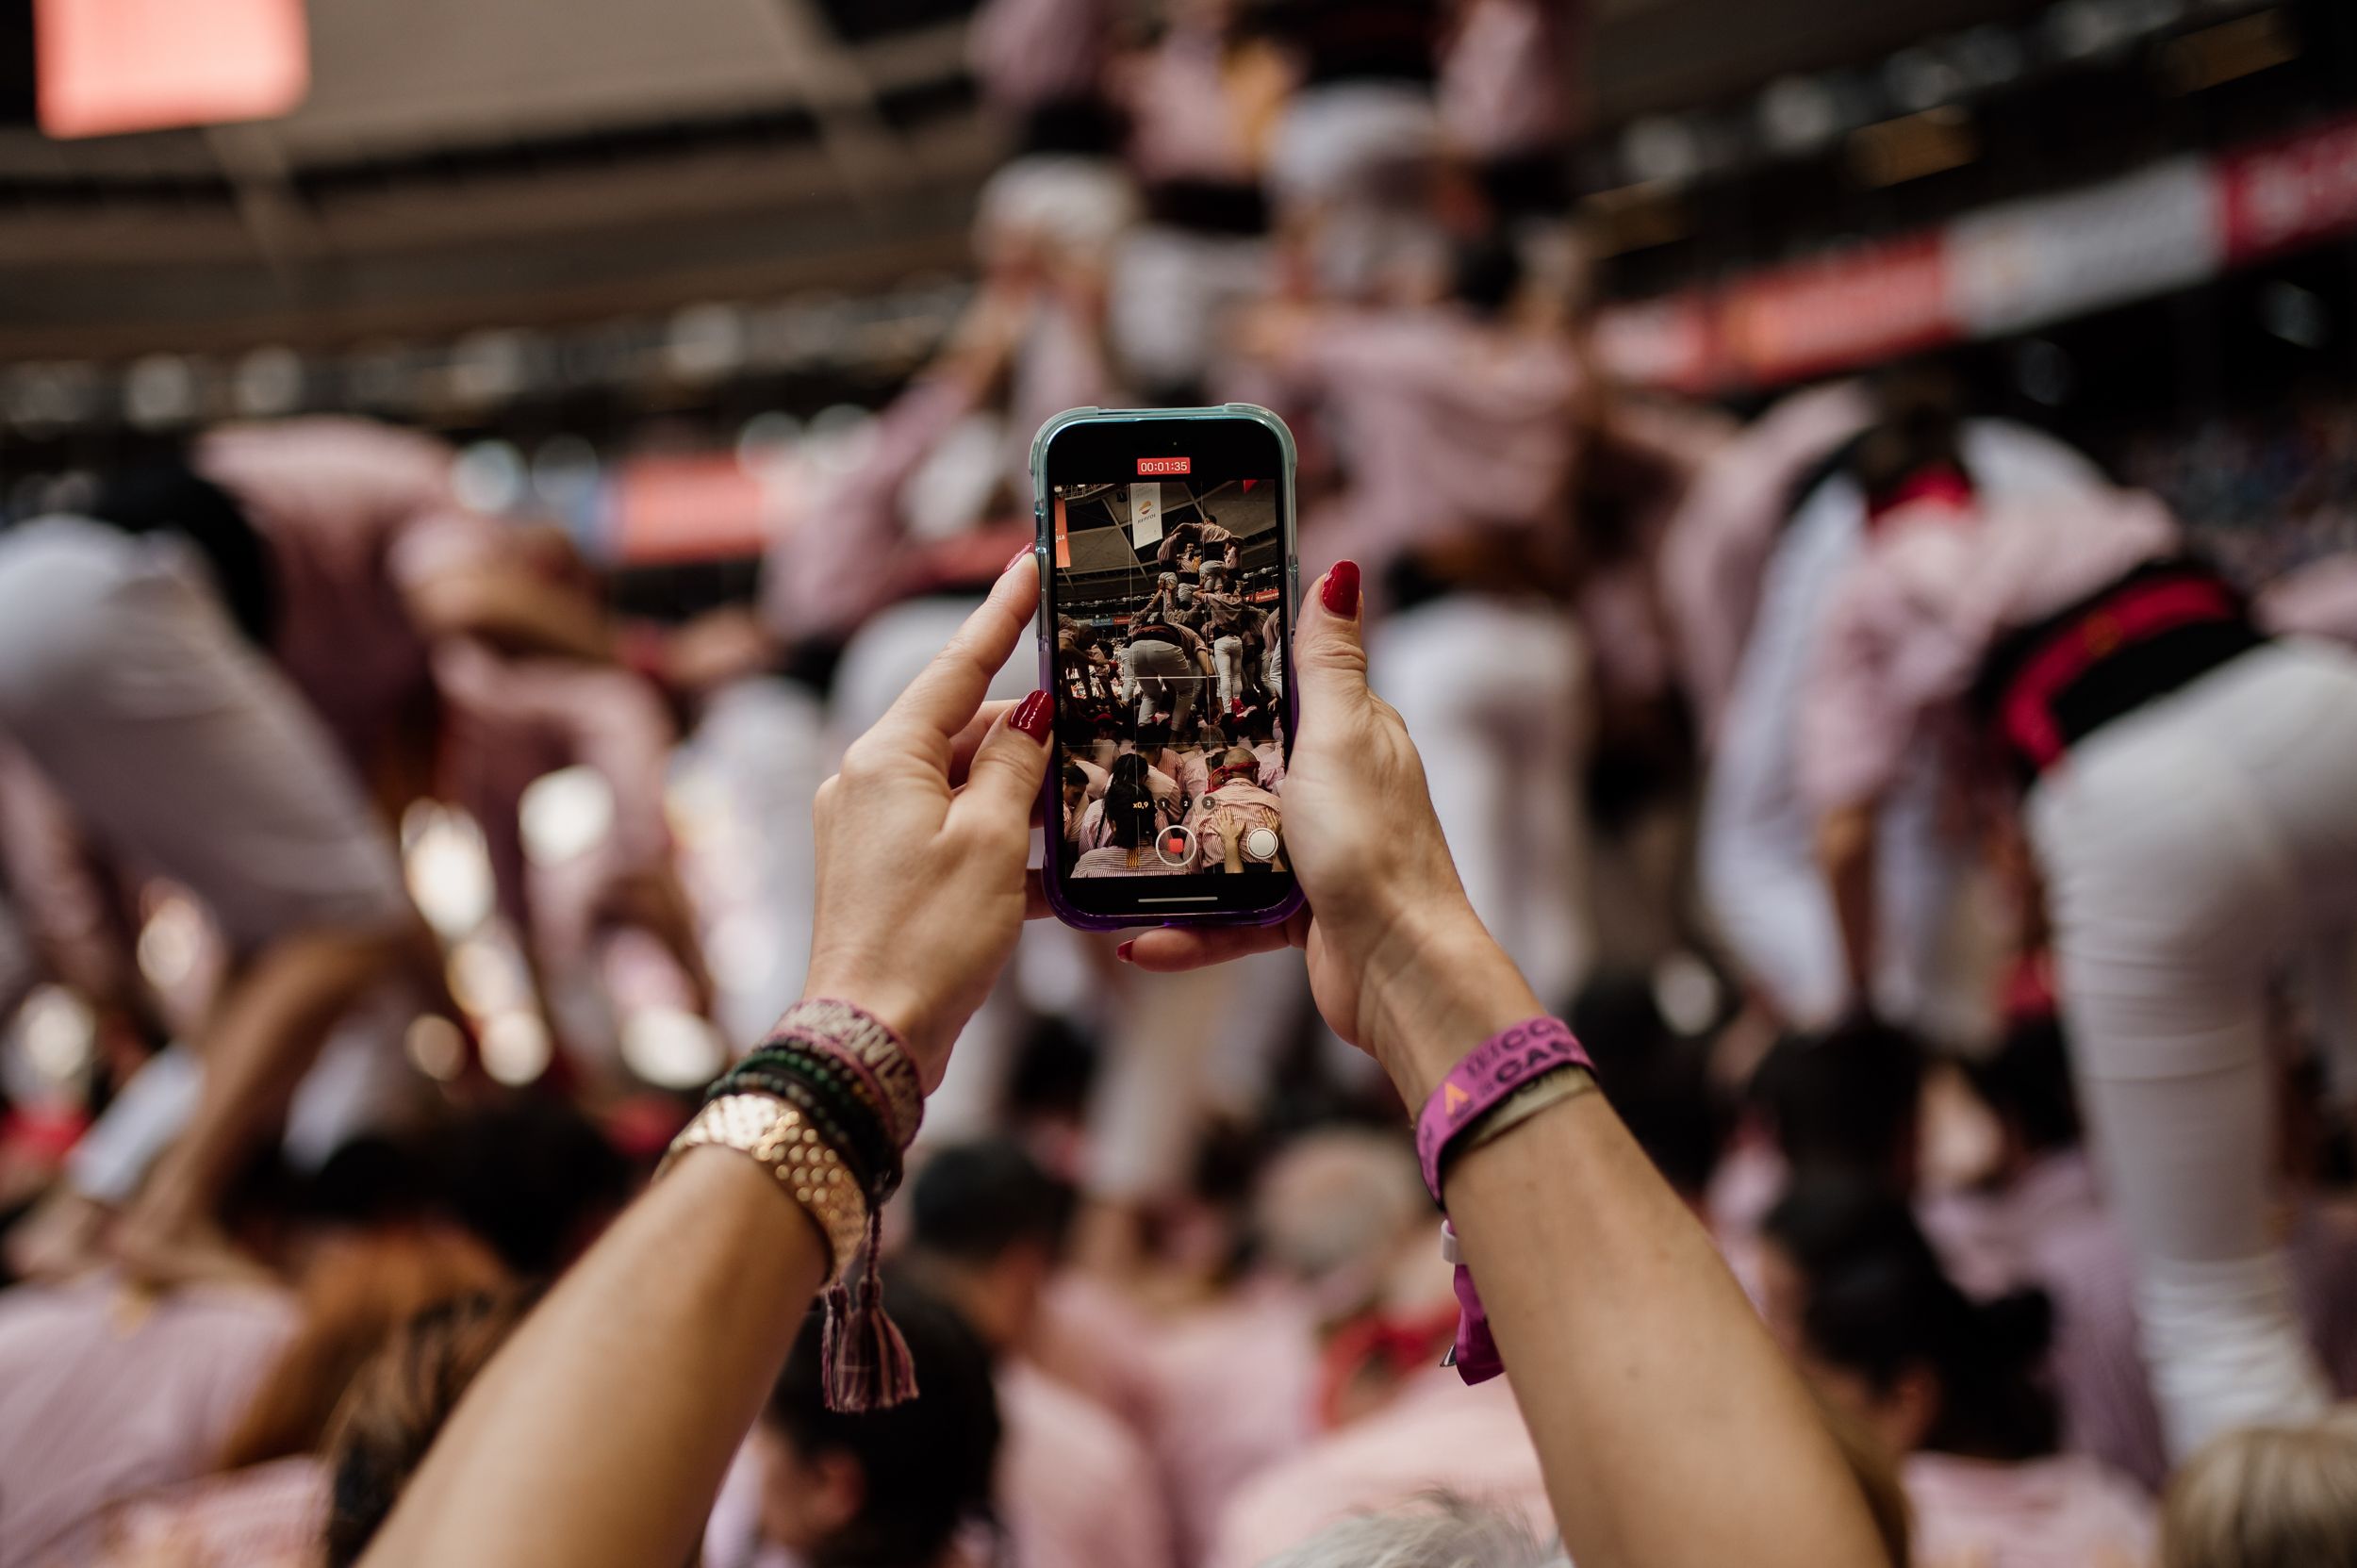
(838, 1029)
(839, 1074)
(846, 1100)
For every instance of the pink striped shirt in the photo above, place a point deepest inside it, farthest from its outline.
(353, 513)
(1911, 621)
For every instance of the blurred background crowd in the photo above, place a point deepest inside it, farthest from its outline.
(468, 470)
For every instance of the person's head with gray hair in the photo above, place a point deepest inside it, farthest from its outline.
(1442, 1530)
(1338, 1200)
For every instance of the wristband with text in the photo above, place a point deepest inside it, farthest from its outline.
(1494, 1071)
(1513, 1067)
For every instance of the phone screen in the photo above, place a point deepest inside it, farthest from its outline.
(1169, 587)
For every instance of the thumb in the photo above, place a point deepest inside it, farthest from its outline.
(1329, 660)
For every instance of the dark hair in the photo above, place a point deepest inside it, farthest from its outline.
(532, 1178)
(975, 1202)
(1153, 734)
(1075, 774)
(1920, 426)
(1260, 724)
(927, 1463)
(1845, 1099)
(369, 1180)
(358, 1294)
(1129, 814)
(1879, 1305)
(1656, 1080)
(2027, 1083)
(173, 498)
(395, 1408)
(1485, 275)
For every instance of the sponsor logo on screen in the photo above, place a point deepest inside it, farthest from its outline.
(1147, 466)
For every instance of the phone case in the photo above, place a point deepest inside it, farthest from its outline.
(1043, 548)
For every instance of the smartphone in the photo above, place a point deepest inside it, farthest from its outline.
(1167, 584)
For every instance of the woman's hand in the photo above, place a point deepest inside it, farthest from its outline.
(1398, 964)
(923, 837)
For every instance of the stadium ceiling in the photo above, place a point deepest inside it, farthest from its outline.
(464, 163)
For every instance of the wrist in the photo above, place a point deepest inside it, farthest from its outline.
(1441, 988)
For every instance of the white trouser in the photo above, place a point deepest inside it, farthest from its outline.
(2191, 850)
(1162, 677)
(1228, 653)
(181, 746)
(1495, 695)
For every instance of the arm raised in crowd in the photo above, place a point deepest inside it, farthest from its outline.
(599, 1436)
(1671, 1430)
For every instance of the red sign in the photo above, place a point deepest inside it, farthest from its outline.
(2293, 191)
(690, 506)
(108, 66)
(1852, 309)
(1148, 465)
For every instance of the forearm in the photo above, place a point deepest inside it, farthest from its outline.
(1845, 853)
(598, 1438)
(514, 612)
(1670, 1429)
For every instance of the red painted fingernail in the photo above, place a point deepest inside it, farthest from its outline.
(1341, 593)
(1034, 714)
(1122, 952)
(1015, 560)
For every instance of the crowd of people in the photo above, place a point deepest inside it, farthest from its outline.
(1950, 873)
(1169, 720)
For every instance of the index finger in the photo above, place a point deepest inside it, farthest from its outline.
(1172, 950)
(945, 695)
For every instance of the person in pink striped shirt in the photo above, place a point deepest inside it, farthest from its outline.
(2186, 797)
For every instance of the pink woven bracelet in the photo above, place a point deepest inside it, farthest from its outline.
(1493, 1072)
(1509, 1061)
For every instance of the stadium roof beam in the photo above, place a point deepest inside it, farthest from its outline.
(833, 85)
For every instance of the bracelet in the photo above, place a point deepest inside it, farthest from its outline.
(1493, 1072)
(841, 1075)
(1501, 1083)
(1559, 1084)
(838, 1099)
(839, 1029)
(858, 1139)
(803, 1164)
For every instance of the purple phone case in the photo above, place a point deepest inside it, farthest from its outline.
(1043, 549)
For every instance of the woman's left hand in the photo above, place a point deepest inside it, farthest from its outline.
(924, 835)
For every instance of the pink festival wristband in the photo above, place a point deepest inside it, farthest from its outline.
(1495, 1070)
(1506, 1062)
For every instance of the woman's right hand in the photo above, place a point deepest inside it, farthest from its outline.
(1398, 963)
